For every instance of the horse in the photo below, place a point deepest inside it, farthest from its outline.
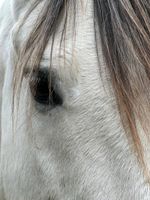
(74, 79)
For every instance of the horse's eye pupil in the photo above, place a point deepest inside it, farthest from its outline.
(41, 92)
(42, 88)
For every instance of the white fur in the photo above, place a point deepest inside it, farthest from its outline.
(77, 151)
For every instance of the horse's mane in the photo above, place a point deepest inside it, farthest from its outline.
(124, 29)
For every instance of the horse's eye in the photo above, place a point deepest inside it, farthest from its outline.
(43, 91)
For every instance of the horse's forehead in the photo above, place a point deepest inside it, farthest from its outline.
(84, 26)
(79, 43)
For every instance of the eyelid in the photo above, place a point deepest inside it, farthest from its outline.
(29, 73)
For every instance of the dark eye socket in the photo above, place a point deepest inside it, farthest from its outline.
(43, 92)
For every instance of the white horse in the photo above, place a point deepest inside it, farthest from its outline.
(75, 147)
